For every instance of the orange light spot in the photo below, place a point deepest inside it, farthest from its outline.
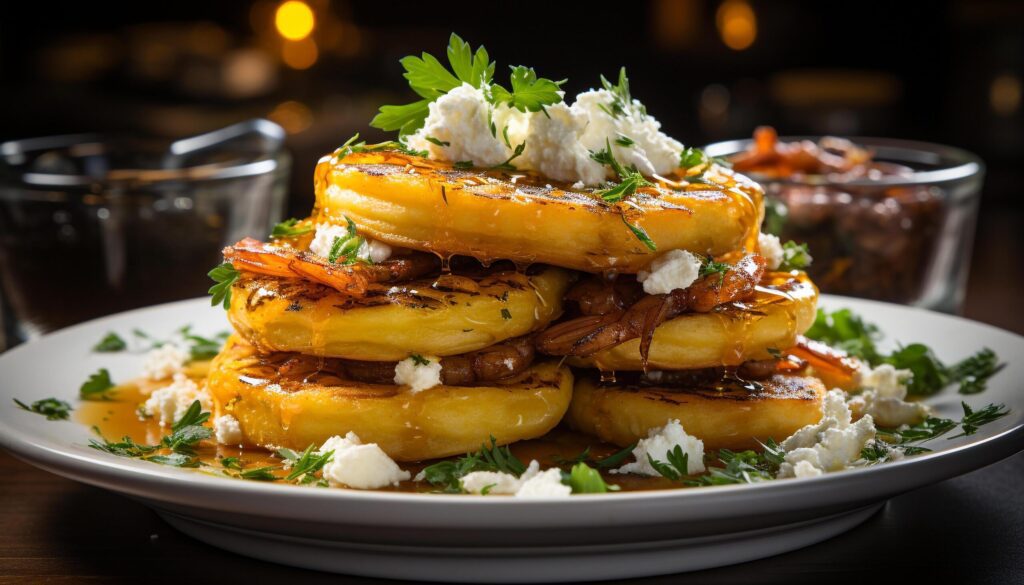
(294, 20)
(299, 54)
(737, 24)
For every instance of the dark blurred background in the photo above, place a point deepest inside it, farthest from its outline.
(949, 72)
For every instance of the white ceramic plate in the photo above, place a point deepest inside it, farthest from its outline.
(474, 539)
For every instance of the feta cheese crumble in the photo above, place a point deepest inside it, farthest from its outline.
(167, 404)
(533, 483)
(360, 466)
(323, 240)
(771, 249)
(659, 443)
(832, 444)
(416, 375)
(226, 430)
(164, 361)
(557, 140)
(883, 397)
(676, 269)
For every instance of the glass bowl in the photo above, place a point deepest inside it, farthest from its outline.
(903, 238)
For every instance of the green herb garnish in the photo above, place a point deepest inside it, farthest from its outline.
(188, 430)
(584, 479)
(111, 342)
(630, 179)
(419, 360)
(224, 275)
(529, 93)
(307, 464)
(289, 228)
(506, 314)
(692, 157)
(676, 465)
(709, 267)
(640, 234)
(448, 474)
(96, 386)
(795, 256)
(51, 408)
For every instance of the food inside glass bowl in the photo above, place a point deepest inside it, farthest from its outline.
(870, 239)
(526, 297)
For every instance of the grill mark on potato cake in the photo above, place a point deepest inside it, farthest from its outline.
(774, 388)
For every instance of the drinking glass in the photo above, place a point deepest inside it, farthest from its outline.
(92, 225)
(903, 238)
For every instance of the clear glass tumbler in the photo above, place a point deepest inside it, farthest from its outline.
(91, 226)
(903, 238)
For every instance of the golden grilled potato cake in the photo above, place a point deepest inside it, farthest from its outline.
(728, 413)
(412, 202)
(784, 306)
(291, 400)
(442, 316)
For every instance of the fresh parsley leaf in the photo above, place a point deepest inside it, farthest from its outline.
(930, 375)
(975, 418)
(692, 157)
(111, 342)
(51, 408)
(126, 447)
(641, 235)
(615, 459)
(405, 119)
(96, 386)
(175, 460)
(419, 360)
(621, 98)
(925, 430)
(624, 141)
(529, 93)
(844, 330)
(630, 179)
(347, 247)
(204, 348)
(973, 372)
(448, 474)
(795, 256)
(506, 314)
(289, 228)
(584, 479)
(740, 467)
(224, 275)
(188, 430)
(675, 468)
(436, 141)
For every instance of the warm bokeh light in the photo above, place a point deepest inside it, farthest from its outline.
(737, 24)
(299, 54)
(1005, 94)
(293, 116)
(294, 20)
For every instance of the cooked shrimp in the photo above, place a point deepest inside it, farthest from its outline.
(354, 279)
(591, 333)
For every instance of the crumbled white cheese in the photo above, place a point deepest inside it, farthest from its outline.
(884, 391)
(360, 466)
(418, 376)
(496, 482)
(553, 147)
(771, 249)
(164, 361)
(557, 140)
(461, 119)
(659, 443)
(324, 237)
(806, 469)
(546, 484)
(652, 151)
(675, 269)
(169, 403)
(227, 430)
(833, 443)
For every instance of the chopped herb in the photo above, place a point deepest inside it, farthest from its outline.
(709, 267)
(204, 348)
(929, 374)
(111, 342)
(844, 330)
(640, 234)
(775, 353)
(174, 460)
(676, 467)
(436, 141)
(624, 141)
(188, 430)
(529, 93)
(96, 386)
(975, 418)
(224, 275)
(621, 98)
(584, 479)
(231, 463)
(507, 165)
(630, 179)
(487, 489)
(448, 474)
(463, 164)
(692, 157)
(506, 314)
(289, 228)
(615, 459)
(973, 372)
(125, 448)
(354, 145)
(419, 360)
(347, 247)
(259, 473)
(795, 256)
(306, 465)
(51, 408)
(740, 467)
